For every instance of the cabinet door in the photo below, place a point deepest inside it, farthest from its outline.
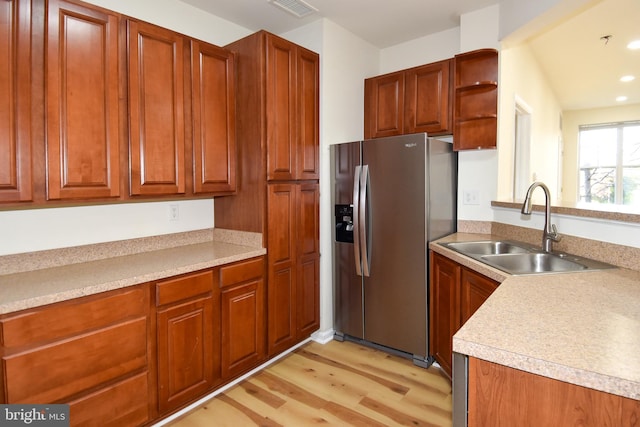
(281, 108)
(444, 311)
(384, 105)
(282, 266)
(475, 289)
(427, 94)
(308, 252)
(185, 352)
(156, 110)
(15, 103)
(82, 118)
(214, 140)
(308, 83)
(243, 328)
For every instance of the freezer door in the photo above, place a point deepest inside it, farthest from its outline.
(348, 297)
(395, 293)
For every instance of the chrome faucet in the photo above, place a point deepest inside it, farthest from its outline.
(550, 233)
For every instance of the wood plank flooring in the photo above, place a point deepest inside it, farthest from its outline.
(335, 384)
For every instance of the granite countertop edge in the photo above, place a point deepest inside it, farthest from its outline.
(31, 289)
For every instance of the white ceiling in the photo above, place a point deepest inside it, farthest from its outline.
(382, 23)
(583, 71)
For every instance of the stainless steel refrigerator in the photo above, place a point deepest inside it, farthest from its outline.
(391, 196)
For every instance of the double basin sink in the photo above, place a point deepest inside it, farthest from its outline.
(519, 258)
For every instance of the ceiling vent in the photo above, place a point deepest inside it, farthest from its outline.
(295, 7)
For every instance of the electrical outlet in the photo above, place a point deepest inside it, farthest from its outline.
(174, 212)
(470, 197)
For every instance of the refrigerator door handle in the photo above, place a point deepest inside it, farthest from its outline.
(363, 213)
(356, 219)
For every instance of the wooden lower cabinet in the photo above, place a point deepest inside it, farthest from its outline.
(503, 396)
(293, 268)
(456, 292)
(132, 356)
(80, 352)
(243, 319)
(187, 338)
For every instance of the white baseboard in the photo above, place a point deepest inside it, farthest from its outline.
(323, 337)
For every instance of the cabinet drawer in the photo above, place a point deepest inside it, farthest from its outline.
(53, 372)
(184, 287)
(241, 272)
(124, 403)
(66, 319)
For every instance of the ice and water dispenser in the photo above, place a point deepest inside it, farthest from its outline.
(344, 223)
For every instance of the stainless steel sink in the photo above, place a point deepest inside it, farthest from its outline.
(518, 258)
(487, 247)
(529, 263)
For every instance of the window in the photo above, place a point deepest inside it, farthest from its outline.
(609, 163)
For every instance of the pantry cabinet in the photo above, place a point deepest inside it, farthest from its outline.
(277, 91)
(294, 257)
(292, 96)
(409, 101)
(456, 292)
(92, 353)
(15, 103)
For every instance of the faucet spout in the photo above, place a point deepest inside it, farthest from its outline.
(549, 233)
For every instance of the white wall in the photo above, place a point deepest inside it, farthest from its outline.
(40, 229)
(423, 50)
(478, 170)
(179, 16)
(525, 80)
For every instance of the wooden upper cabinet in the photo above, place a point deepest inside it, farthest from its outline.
(15, 103)
(476, 100)
(281, 109)
(384, 105)
(82, 114)
(292, 94)
(409, 101)
(156, 110)
(427, 98)
(213, 99)
(308, 91)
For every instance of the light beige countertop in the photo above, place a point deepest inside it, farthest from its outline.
(582, 328)
(158, 260)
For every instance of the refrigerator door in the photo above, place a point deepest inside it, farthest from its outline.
(395, 293)
(348, 297)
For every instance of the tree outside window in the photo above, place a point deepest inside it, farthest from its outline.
(609, 163)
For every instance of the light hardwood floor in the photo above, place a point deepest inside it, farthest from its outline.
(335, 384)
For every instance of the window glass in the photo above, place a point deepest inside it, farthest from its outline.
(609, 160)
